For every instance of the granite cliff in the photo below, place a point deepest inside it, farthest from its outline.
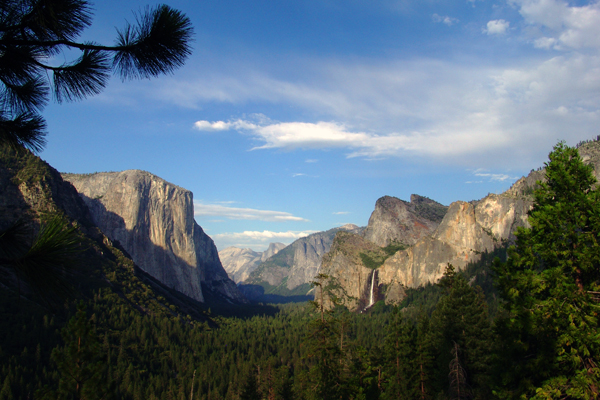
(394, 224)
(153, 220)
(239, 263)
(398, 221)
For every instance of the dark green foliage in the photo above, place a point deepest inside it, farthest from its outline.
(52, 254)
(462, 333)
(401, 371)
(34, 31)
(550, 324)
(81, 363)
(393, 248)
(249, 389)
(372, 260)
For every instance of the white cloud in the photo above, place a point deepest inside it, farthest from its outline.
(493, 177)
(444, 112)
(298, 174)
(256, 240)
(223, 126)
(444, 19)
(327, 135)
(341, 213)
(545, 43)
(567, 27)
(496, 27)
(201, 209)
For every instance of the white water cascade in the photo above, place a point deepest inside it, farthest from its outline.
(371, 298)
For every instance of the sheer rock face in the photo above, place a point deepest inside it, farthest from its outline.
(398, 221)
(239, 263)
(467, 230)
(298, 263)
(154, 222)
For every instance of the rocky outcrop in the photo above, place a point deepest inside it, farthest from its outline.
(465, 232)
(396, 221)
(239, 263)
(291, 270)
(30, 187)
(468, 229)
(153, 220)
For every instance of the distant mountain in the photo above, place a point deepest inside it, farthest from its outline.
(466, 231)
(153, 220)
(290, 271)
(239, 263)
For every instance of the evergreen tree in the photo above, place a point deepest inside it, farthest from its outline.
(461, 321)
(423, 357)
(401, 372)
(550, 326)
(250, 389)
(33, 31)
(80, 362)
(323, 342)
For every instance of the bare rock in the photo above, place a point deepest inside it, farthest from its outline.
(154, 222)
(398, 221)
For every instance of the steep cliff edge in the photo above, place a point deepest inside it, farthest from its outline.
(398, 221)
(468, 229)
(154, 222)
(239, 263)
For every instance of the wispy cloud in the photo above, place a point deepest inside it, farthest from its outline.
(341, 213)
(201, 209)
(444, 19)
(311, 161)
(461, 113)
(492, 177)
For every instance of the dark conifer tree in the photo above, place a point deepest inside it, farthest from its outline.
(250, 388)
(461, 319)
(424, 358)
(401, 373)
(80, 362)
(32, 31)
(550, 326)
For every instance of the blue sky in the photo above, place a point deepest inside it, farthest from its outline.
(293, 117)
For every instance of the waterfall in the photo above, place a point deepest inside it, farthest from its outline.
(371, 299)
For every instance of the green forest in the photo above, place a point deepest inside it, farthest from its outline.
(522, 323)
